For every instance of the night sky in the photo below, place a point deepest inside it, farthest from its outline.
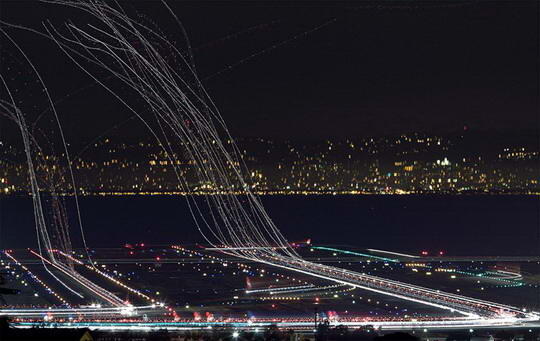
(320, 69)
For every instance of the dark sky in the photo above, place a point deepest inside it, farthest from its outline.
(325, 69)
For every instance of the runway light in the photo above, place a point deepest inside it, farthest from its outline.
(235, 334)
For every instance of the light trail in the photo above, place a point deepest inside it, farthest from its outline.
(355, 253)
(109, 277)
(34, 277)
(34, 156)
(151, 300)
(351, 283)
(186, 121)
(52, 228)
(470, 307)
(273, 47)
(328, 287)
(254, 291)
(394, 253)
(93, 311)
(508, 275)
(90, 286)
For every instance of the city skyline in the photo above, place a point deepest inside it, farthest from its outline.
(470, 162)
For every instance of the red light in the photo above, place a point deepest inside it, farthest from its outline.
(424, 253)
(441, 253)
(142, 244)
(157, 258)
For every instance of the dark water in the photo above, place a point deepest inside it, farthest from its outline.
(460, 225)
